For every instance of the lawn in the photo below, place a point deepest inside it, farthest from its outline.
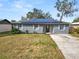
(29, 46)
(2, 34)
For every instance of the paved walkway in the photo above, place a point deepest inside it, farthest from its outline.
(68, 45)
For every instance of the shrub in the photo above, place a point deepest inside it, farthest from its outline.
(77, 30)
(15, 31)
(74, 30)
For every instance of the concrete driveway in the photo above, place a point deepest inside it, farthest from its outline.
(68, 45)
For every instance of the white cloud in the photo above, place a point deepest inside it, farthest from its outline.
(21, 4)
(18, 6)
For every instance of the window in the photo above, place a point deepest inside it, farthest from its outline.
(36, 26)
(61, 27)
(19, 25)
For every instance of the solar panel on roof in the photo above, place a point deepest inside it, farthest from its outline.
(41, 21)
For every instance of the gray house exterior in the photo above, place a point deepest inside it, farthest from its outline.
(43, 26)
(5, 25)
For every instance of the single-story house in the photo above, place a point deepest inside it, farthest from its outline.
(75, 24)
(5, 25)
(43, 26)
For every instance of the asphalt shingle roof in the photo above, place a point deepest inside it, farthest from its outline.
(4, 21)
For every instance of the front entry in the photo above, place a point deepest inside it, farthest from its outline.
(47, 28)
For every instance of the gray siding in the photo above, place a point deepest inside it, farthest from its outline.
(27, 28)
(5, 27)
(56, 29)
(30, 29)
(39, 29)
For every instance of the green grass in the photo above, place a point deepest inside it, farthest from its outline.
(2, 34)
(29, 46)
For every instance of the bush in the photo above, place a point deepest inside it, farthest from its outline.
(8, 33)
(74, 30)
(77, 29)
(15, 31)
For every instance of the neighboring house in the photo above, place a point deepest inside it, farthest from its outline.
(75, 24)
(5, 25)
(43, 26)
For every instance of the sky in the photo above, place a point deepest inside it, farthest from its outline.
(14, 9)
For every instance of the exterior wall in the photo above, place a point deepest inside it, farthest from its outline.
(39, 29)
(15, 26)
(56, 29)
(30, 29)
(5, 27)
(26, 28)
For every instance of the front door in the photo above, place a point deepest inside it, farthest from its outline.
(47, 28)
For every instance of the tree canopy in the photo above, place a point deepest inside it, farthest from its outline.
(76, 20)
(37, 13)
(65, 8)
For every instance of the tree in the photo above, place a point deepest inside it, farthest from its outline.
(37, 13)
(29, 15)
(23, 19)
(76, 20)
(13, 20)
(65, 8)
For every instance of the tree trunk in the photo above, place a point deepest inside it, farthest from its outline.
(61, 17)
